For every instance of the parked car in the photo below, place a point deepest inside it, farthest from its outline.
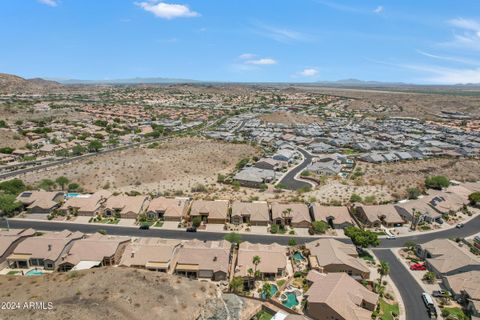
(391, 236)
(418, 267)
(191, 229)
(144, 226)
(428, 301)
(439, 221)
(432, 312)
(460, 225)
(439, 293)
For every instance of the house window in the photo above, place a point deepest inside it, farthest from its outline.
(49, 266)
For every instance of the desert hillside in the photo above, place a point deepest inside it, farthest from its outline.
(112, 293)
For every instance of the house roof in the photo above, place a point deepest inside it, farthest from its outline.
(299, 211)
(334, 252)
(171, 207)
(387, 211)
(8, 237)
(140, 252)
(468, 282)
(126, 204)
(272, 257)
(47, 246)
(94, 248)
(448, 256)
(342, 294)
(339, 214)
(87, 204)
(217, 209)
(420, 206)
(45, 197)
(258, 211)
(445, 202)
(208, 255)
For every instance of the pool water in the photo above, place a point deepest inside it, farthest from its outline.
(273, 290)
(34, 273)
(291, 300)
(298, 256)
(72, 195)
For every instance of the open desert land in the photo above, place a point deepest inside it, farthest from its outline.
(11, 139)
(112, 293)
(176, 164)
(289, 118)
(398, 177)
(407, 103)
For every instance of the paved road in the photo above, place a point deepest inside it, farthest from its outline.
(289, 179)
(409, 289)
(470, 228)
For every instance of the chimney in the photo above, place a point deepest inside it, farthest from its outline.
(49, 247)
(132, 255)
(215, 258)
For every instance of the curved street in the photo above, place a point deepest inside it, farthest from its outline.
(289, 180)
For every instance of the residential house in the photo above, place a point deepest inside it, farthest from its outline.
(330, 255)
(293, 214)
(270, 164)
(417, 209)
(40, 201)
(254, 177)
(338, 296)
(326, 167)
(254, 213)
(215, 212)
(446, 258)
(203, 259)
(466, 286)
(45, 251)
(376, 215)
(272, 261)
(286, 155)
(336, 216)
(86, 205)
(150, 253)
(445, 202)
(168, 209)
(9, 240)
(94, 251)
(123, 206)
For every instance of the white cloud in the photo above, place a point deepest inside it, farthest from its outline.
(51, 3)
(378, 9)
(467, 24)
(448, 75)
(168, 10)
(470, 36)
(245, 56)
(281, 34)
(308, 72)
(449, 58)
(262, 62)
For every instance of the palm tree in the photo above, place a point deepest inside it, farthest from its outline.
(256, 261)
(267, 290)
(62, 181)
(287, 213)
(383, 269)
(250, 272)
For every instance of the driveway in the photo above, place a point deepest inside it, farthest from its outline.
(408, 287)
(289, 179)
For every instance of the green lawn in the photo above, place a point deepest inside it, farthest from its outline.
(106, 221)
(12, 273)
(387, 309)
(457, 312)
(263, 315)
(158, 224)
(366, 256)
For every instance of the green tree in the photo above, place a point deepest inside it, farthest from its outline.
(233, 237)
(292, 242)
(46, 184)
(319, 227)
(73, 186)
(362, 238)
(429, 277)
(196, 221)
(62, 181)
(383, 269)
(14, 186)
(256, 261)
(474, 198)
(95, 146)
(355, 198)
(437, 182)
(78, 150)
(8, 204)
(236, 285)
(413, 193)
(267, 290)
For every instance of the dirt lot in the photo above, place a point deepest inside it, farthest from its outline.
(397, 177)
(177, 164)
(288, 118)
(115, 293)
(11, 139)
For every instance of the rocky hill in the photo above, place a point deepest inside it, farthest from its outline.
(111, 293)
(14, 84)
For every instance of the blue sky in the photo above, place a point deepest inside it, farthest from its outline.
(428, 41)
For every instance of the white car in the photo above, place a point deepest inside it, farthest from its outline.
(391, 236)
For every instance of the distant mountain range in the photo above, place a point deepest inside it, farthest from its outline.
(138, 80)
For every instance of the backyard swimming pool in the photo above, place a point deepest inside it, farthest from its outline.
(72, 195)
(34, 272)
(291, 300)
(273, 290)
(298, 256)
